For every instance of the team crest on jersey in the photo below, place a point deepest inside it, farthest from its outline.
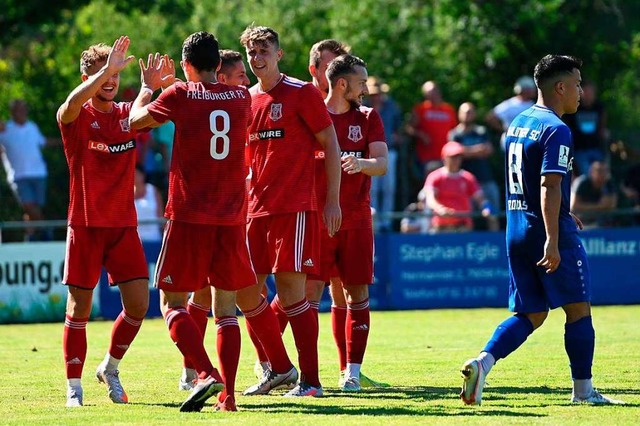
(563, 156)
(355, 133)
(275, 113)
(124, 125)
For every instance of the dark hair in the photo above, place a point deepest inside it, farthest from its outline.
(201, 50)
(334, 46)
(260, 35)
(551, 66)
(228, 59)
(343, 65)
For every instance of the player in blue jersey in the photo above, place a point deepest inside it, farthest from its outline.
(548, 265)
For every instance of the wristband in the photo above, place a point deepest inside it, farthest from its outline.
(486, 204)
(147, 89)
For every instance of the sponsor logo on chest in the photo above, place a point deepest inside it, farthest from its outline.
(266, 134)
(112, 149)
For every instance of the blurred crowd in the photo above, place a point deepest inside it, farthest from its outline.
(445, 167)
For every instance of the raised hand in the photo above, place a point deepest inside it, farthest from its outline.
(168, 72)
(151, 73)
(118, 58)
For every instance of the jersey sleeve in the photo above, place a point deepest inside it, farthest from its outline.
(557, 151)
(312, 109)
(432, 179)
(163, 108)
(376, 128)
(473, 186)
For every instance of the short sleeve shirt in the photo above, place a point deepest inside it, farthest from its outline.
(356, 130)
(101, 152)
(207, 176)
(282, 144)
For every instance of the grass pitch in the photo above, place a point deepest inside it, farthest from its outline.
(418, 352)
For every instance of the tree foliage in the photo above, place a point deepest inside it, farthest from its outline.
(475, 49)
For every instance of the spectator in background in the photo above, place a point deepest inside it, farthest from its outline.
(589, 129)
(477, 150)
(502, 114)
(593, 195)
(21, 144)
(450, 192)
(429, 126)
(383, 188)
(415, 222)
(149, 205)
(630, 188)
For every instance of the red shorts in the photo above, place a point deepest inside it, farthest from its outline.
(348, 255)
(195, 256)
(119, 250)
(284, 243)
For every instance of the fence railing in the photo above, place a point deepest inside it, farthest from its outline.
(612, 218)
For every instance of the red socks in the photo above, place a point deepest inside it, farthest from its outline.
(357, 331)
(185, 334)
(124, 330)
(200, 315)
(339, 326)
(281, 315)
(228, 344)
(74, 345)
(263, 322)
(304, 324)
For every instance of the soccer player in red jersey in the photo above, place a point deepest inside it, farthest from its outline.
(320, 55)
(289, 120)
(205, 238)
(102, 231)
(233, 73)
(350, 251)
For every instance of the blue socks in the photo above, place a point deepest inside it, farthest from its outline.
(579, 342)
(509, 335)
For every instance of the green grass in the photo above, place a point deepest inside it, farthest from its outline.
(418, 352)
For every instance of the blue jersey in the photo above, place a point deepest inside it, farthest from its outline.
(537, 143)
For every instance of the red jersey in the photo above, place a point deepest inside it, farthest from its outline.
(282, 146)
(101, 153)
(356, 129)
(207, 176)
(453, 190)
(435, 121)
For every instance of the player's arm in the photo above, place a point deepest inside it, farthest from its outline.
(550, 199)
(375, 165)
(116, 62)
(332, 214)
(158, 72)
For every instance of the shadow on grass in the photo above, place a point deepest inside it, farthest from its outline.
(409, 394)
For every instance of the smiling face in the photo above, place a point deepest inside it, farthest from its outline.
(234, 75)
(356, 86)
(263, 58)
(109, 89)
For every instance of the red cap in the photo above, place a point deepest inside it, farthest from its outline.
(452, 148)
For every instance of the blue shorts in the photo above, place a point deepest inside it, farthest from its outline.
(531, 289)
(31, 190)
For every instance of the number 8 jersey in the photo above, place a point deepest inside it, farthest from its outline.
(537, 143)
(207, 176)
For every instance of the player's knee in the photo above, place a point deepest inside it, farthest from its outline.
(537, 318)
(356, 293)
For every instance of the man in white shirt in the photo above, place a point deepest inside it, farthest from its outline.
(501, 115)
(21, 143)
